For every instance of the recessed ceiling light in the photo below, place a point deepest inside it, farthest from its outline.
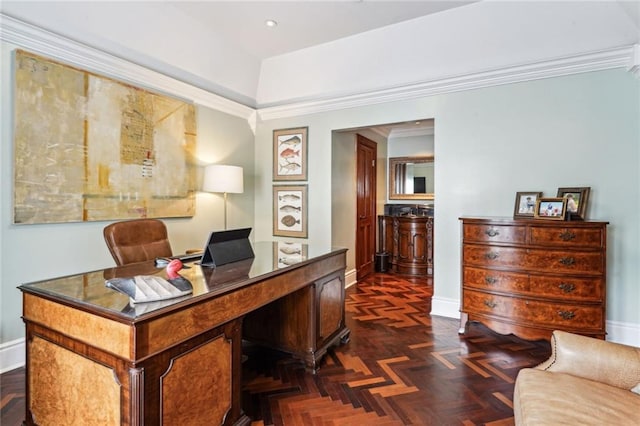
(271, 23)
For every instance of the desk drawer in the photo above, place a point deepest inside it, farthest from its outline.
(525, 310)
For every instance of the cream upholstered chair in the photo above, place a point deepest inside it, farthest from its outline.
(585, 381)
(137, 240)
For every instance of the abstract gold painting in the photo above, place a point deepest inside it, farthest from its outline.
(90, 148)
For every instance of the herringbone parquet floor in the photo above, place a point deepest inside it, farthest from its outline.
(401, 367)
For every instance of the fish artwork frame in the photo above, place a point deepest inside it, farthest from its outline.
(290, 211)
(290, 154)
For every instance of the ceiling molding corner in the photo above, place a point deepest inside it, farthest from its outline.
(65, 50)
(406, 133)
(380, 132)
(588, 62)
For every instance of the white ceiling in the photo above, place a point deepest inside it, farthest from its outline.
(326, 50)
(302, 24)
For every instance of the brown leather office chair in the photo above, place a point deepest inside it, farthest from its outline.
(137, 240)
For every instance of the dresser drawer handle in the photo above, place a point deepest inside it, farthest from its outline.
(567, 261)
(491, 255)
(567, 315)
(490, 304)
(492, 232)
(567, 287)
(490, 280)
(567, 236)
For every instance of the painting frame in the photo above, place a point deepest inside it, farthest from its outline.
(290, 211)
(525, 206)
(581, 194)
(556, 206)
(95, 149)
(290, 154)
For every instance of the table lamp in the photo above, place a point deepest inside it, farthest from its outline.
(225, 179)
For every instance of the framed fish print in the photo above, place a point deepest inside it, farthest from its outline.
(290, 211)
(290, 154)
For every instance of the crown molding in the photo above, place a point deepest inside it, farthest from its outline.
(54, 46)
(380, 132)
(594, 61)
(634, 62)
(406, 133)
(74, 53)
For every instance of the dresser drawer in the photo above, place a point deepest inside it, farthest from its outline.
(535, 260)
(567, 288)
(494, 233)
(494, 280)
(567, 236)
(561, 315)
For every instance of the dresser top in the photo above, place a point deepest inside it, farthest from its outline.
(503, 220)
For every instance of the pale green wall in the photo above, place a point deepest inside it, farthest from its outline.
(34, 252)
(580, 130)
(343, 185)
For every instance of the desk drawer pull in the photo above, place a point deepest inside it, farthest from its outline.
(566, 315)
(490, 280)
(491, 255)
(567, 287)
(492, 232)
(567, 261)
(567, 236)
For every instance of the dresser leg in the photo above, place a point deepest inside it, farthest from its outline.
(464, 321)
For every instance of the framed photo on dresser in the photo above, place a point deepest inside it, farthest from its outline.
(551, 208)
(526, 204)
(577, 199)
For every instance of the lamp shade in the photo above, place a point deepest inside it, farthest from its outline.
(221, 178)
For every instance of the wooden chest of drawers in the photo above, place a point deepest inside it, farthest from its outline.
(530, 277)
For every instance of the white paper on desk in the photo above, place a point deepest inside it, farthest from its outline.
(149, 288)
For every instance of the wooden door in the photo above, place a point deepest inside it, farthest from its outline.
(366, 154)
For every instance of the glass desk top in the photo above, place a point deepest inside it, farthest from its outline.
(89, 290)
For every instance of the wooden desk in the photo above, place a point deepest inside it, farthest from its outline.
(94, 359)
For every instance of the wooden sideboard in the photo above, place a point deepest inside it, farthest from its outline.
(92, 358)
(409, 242)
(530, 277)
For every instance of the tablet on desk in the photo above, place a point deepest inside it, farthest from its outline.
(226, 247)
(189, 256)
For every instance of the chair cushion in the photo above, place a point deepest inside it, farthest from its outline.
(547, 398)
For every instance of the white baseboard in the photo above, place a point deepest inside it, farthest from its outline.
(625, 333)
(449, 308)
(12, 355)
(350, 278)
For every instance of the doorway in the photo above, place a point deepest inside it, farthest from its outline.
(366, 169)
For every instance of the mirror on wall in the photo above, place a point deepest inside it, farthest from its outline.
(411, 178)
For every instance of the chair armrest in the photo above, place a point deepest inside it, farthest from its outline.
(606, 362)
